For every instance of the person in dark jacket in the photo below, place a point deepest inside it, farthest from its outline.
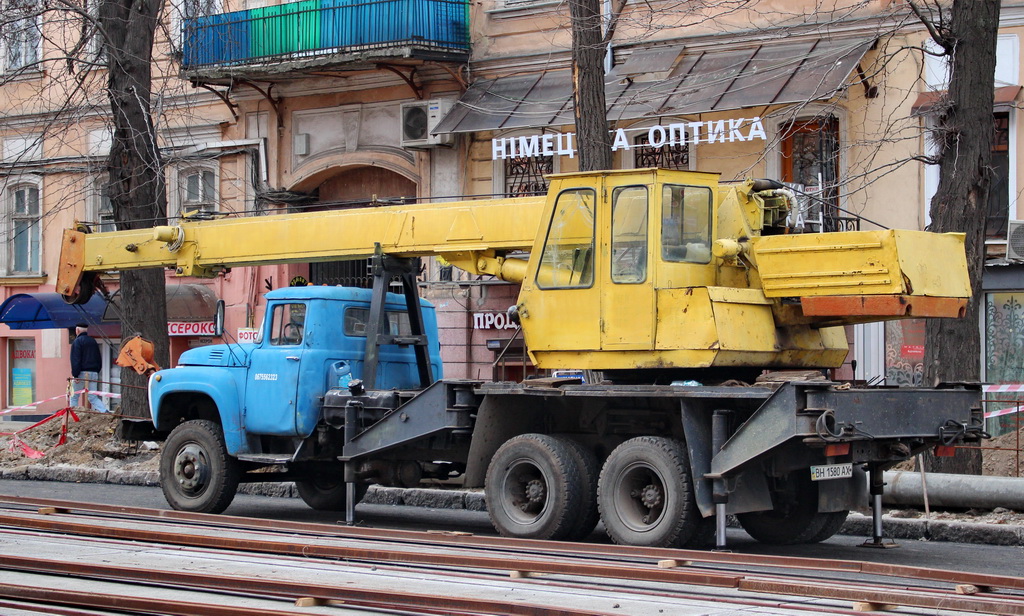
(86, 363)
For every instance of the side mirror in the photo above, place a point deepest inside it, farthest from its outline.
(218, 319)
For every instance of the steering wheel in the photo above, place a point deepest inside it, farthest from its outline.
(292, 333)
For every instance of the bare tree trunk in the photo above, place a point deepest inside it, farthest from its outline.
(136, 175)
(589, 107)
(965, 128)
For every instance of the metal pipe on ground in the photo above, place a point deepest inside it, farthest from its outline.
(959, 491)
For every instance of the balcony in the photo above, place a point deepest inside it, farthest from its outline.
(324, 33)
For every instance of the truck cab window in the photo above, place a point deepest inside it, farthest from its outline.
(686, 224)
(288, 324)
(396, 323)
(568, 257)
(629, 234)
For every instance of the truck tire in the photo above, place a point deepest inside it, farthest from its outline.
(795, 518)
(590, 470)
(196, 472)
(645, 494)
(828, 524)
(327, 493)
(533, 488)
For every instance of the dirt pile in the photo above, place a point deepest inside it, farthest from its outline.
(90, 442)
(1002, 455)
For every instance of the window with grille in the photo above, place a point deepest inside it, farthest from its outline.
(524, 175)
(667, 156)
(810, 152)
(999, 190)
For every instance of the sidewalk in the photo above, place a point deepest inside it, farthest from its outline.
(856, 524)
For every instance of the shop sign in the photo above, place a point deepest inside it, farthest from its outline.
(676, 133)
(492, 320)
(188, 328)
(246, 334)
(23, 354)
(199, 342)
(912, 350)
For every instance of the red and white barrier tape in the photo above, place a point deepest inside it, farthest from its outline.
(998, 388)
(18, 444)
(32, 405)
(1002, 388)
(1001, 412)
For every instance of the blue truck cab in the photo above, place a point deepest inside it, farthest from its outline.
(268, 396)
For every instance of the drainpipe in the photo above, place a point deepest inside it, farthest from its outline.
(950, 490)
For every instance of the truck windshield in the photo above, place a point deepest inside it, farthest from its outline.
(396, 323)
(568, 258)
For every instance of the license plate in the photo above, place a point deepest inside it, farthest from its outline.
(831, 471)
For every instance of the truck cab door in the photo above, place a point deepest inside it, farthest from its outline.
(561, 301)
(627, 301)
(272, 384)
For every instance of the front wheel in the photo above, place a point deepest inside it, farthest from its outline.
(196, 472)
(646, 495)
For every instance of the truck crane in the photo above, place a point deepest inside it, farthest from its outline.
(711, 321)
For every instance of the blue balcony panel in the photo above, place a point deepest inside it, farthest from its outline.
(320, 28)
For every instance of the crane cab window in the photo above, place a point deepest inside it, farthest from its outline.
(568, 257)
(287, 324)
(629, 234)
(395, 322)
(686, 223)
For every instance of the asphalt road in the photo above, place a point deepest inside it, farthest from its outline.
(959, 556)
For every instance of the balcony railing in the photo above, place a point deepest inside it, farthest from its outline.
(317, 28)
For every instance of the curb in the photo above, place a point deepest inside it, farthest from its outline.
(856, 524)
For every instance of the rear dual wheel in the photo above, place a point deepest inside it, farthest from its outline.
(541, 487)
(795, 517)
(645, 494)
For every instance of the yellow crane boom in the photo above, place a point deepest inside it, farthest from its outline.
(202, 248)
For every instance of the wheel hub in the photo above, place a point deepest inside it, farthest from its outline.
(190, 468)
(651, 496)
(536, 493)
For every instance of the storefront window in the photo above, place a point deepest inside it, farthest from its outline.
(1004, 357)
(22, 362)
(904, 353)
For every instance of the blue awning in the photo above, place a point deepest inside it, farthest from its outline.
(49, 311)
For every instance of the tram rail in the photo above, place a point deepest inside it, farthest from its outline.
(577, 565)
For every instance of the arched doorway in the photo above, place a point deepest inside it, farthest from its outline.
(356, 187)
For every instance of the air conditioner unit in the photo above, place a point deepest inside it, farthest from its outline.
(1015, 240)
(419, 119)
